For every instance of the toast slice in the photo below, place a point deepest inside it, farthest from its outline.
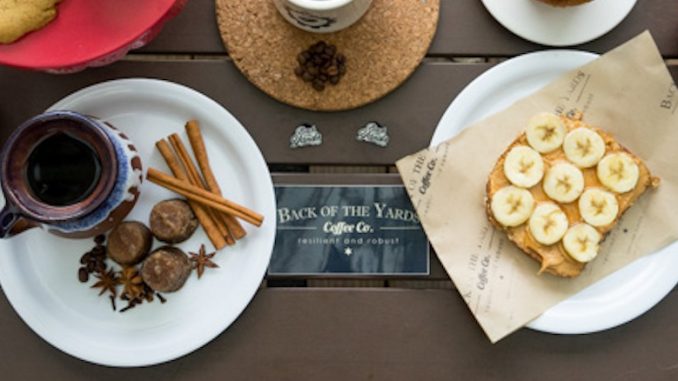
(566, 218)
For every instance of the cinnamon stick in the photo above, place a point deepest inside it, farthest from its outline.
(194, 179)
(200, 153)
(204, 197)
(201, 213)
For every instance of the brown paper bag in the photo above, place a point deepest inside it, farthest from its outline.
(628, 92)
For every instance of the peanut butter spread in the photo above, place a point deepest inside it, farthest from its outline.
(554, 258)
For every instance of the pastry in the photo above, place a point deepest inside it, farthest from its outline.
(172, 221)
(560, 188)
(129, 243)
(18, 17)
(166, 269)
(564, 3)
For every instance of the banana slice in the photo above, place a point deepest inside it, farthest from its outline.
(598, 207)
(584, 147)
(581, 242)
(523, 166)
(545, 132)
(618, 172)
(512, 206)
(548, 223)
(563, 182)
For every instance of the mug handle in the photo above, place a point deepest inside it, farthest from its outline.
(8, 218)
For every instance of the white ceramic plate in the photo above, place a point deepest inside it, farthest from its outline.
(616, 299)
(38, 271)
(554, 26)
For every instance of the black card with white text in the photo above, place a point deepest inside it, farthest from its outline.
(361, 230)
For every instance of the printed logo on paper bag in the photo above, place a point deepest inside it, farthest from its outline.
(348, 229)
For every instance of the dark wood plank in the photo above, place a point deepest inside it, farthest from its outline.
(411, 112)
(194, 30)
(367, 334)
(465, 29)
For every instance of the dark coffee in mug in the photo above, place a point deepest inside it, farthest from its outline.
(74, 175)
(62, 170)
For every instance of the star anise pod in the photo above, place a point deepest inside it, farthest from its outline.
(133, 284)
(202, 259)
(107, 282)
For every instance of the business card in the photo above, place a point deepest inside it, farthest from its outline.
(347, 229)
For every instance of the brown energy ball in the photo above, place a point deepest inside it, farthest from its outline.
(172, 221)
(166, 269)
(129, 243)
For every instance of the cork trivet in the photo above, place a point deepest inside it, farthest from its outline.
(382, 50)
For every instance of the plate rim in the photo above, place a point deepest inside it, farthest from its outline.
(539, 40)
(465, 99)
(172, 352)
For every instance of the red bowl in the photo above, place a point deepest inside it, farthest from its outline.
(89, 33)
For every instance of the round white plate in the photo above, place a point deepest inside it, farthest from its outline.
(555, 26)
(38, 271)
(616, 299)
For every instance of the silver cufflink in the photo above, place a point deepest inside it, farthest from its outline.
(374, 133)
(306, 135)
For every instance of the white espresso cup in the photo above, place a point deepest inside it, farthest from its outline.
(322, 16)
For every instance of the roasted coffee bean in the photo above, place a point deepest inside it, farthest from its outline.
(99, 251)
(308, 77)
(85, 258)
(318, 85)
(83, 275)
(100, 239)
(91, 266)
(101, 267)
(321, 64)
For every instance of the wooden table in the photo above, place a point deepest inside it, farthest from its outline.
(376, 328)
